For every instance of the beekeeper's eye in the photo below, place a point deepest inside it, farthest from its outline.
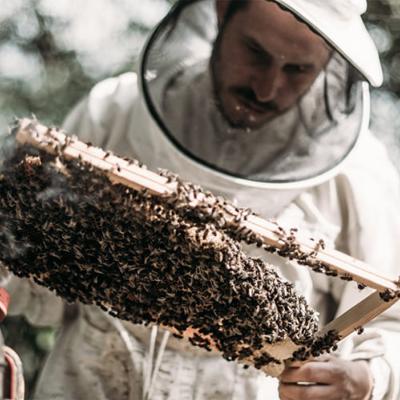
(256, 49)
(298, 68)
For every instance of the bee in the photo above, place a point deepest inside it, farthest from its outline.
(387, 295)
(360, 330)
(346, 277)
(361, 286)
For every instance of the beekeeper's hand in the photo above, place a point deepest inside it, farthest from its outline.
(326, 378)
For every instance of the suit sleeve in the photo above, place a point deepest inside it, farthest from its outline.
(370, 197)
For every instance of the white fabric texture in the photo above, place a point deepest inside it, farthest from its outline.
(340, 23)
(356, 209)
(343, 8)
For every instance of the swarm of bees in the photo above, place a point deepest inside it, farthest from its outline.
(149, 259)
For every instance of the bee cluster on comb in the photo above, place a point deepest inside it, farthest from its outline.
(147, 258)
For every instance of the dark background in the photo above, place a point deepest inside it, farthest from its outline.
(53, 51)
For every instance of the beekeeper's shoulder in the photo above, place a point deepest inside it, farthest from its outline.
(109, 101)
(371, 163)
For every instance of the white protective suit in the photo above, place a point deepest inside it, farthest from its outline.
(354, 208)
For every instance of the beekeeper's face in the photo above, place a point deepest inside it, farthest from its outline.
(263, 61)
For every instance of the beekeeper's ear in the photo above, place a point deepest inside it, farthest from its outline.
(221, 7)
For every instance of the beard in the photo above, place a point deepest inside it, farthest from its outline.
(241, 94)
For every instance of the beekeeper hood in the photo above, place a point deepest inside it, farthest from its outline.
(269, 91)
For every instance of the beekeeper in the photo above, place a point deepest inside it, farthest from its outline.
(266, 103)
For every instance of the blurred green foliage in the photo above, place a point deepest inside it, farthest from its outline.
(53, 51)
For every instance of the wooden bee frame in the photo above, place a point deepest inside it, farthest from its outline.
(118, 170)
